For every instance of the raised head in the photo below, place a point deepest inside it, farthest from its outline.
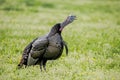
(69, 20)
(57, 28)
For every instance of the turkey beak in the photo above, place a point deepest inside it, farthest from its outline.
(69, 20)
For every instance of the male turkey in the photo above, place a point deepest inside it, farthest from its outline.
(48, 47)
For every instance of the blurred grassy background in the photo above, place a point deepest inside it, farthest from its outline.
(93, 39)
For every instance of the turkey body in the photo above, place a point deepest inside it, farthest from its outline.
(45, 48)
(55, 47)
(48, 47)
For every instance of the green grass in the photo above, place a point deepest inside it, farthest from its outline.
(93, 39)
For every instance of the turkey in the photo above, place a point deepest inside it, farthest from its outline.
(48, 47)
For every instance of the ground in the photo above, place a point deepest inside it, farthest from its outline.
(93, 39)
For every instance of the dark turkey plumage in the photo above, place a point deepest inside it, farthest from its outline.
(48, 47)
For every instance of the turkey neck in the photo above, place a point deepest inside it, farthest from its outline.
(54, 30)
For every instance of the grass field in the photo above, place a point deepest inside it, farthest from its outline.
(93, 39)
